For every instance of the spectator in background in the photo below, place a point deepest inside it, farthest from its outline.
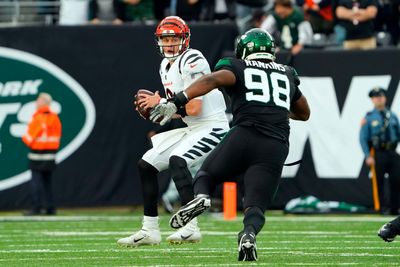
(287, 24)
(357, 17)
(161, 8)
(258, 18)
(137, 10)
(338, 28)
(245, 10)
(105, 11)
(49, 10)
(189, 10)
(74, 12)
(319, 14)
(216, 10)
(387, 19)
(380, 131)
(43, 139)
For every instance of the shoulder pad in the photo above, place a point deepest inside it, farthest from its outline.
(294, 73)
(223, 62)
(189, 57)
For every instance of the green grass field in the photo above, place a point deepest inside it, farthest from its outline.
(84, 238)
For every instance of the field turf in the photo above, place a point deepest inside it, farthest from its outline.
(84, 238)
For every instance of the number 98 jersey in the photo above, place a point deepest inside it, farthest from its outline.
(262, 95)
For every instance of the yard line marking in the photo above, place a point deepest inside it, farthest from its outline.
(70, 218)
(309, 234)
(82, 233)
(289, 218)
(186, 250)
(333, 248)
(327, 254)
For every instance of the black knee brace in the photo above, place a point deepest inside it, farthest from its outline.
(254, 219)
(182, 178)
(148, 176)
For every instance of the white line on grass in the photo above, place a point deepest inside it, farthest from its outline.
(309, 234)
(69, 218)
(328, 254)
(289, 218)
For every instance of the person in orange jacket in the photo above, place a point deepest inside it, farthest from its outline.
(43, 139)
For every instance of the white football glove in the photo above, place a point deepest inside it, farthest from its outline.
(164, 112)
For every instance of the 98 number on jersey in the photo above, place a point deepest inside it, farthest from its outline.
(256, 79)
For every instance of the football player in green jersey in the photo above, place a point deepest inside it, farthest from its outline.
(264, 95)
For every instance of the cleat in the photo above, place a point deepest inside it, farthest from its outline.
(190, 233)
(247, 247)
(141, 238)
(191, 210)
(387, 232)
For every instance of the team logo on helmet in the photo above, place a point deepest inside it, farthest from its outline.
(255, 44)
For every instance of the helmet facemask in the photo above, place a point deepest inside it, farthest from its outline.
(177, 47)
(173, 27)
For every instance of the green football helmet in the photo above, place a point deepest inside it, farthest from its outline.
(255, 44)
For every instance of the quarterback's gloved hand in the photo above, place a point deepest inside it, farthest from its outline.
(164, 112)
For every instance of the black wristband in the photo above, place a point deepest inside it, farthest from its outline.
(180, 99)
(181, 111)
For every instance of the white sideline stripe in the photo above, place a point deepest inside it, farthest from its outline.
(321, 241)
(327, 218)
(126, 250)
(183, 250)
(225, 264)
(327, 254)
(70, 218)
(333, 248)
(213, 233)
(267, 242)
(188, 251)
(291, 218)
(81, 233)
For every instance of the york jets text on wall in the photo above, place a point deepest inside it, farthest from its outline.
(23, 77)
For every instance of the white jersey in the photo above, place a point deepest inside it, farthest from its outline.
(187, 68)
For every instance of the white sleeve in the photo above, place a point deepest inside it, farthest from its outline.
(269, 24)
(305, 33)
(193, 66)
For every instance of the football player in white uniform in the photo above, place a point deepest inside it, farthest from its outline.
(179, 149)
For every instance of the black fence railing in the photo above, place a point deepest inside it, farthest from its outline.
(20, 13)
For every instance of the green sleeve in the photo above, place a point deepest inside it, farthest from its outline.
(224, 63)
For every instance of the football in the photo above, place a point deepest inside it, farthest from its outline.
(141, 93)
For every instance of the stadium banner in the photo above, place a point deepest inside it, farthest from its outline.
(93, 73)
(336, 84)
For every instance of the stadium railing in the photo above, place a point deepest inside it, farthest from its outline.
(21, 13)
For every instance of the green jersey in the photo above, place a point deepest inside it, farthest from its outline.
(262, 95)
(289, 27)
